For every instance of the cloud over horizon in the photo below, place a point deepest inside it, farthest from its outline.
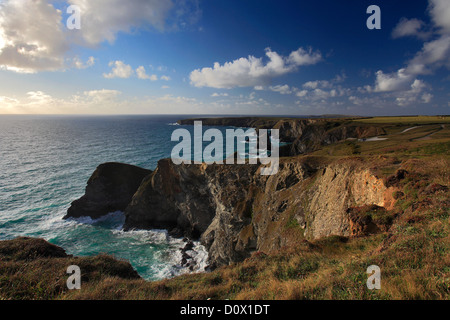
(252, 71)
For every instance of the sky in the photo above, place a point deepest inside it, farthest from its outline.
(224, 57)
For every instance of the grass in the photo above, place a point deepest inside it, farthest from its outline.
(406, 120)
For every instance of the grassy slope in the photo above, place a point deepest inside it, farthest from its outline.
(414, 255)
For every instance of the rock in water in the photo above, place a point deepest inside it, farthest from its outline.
(110, 188)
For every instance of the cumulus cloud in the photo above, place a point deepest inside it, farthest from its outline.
(393, 81)
(252, 71)
(142, 74)
(104, 19)
(440, 14)
(322, 89)
(34, 37)
(282, 89)
(413, 95)
(83, 65)
(434, 54)
(317, 84)
(302, 57)
(31, 36)
(410, 27)
(119, 70)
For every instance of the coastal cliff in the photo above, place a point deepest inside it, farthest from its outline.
(234, 210)
(308, 232)
(302, 135)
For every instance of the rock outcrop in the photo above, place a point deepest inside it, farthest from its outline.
(109, 189)
(234, 209)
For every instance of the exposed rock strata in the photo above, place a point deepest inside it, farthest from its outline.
(234, 209)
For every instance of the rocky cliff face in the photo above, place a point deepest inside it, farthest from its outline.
(304, 135)
(234, 209)
(109, 189)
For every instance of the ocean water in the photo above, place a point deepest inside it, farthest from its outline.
(45, 162)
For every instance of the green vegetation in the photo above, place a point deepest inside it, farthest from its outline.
(406, 120)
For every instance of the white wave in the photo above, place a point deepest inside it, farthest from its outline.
(116, 217)
(173, 124)
(168, 262)
(173, 262)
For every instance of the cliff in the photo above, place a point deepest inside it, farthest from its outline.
(109, 189)
(236, 211)
(303, 135)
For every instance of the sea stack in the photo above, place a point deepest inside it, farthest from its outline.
(109, 189)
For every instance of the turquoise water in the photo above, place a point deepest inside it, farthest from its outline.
(45, 162)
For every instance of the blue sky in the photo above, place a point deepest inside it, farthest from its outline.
(225, 57)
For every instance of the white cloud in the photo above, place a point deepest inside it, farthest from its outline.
(104, 19)
(101, 96)
(440, 14)
(301, 93)
(33, 35)
(252, 71)
(322, 89)
(433, 55)
(426, 97)
(303, 57)
(142, 74)
(83, 65)
(282, 89)
(215, 94)
(32, 38)
(317, 84)
(165, 78)
(414, 95)
(119, 70)
(410, 27)
(39, 97)
(393, 81)
(102, 101)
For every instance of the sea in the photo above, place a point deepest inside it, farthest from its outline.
(45, 163)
